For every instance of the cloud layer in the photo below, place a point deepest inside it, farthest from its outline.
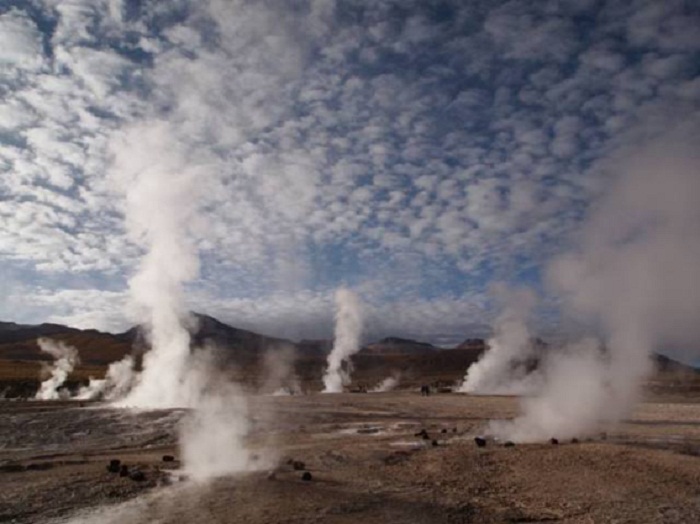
(413, 153)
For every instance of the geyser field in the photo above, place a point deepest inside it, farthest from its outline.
(345, 261)
(366, 462)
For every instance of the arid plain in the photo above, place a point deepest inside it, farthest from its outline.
(367, 460)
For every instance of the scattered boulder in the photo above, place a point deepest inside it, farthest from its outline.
(554, 441)
(396, 457)
(168, 458)
(480, 442)
(423, 434)
(298, 465)
(306, 476)
(113, 466)
(137, 475)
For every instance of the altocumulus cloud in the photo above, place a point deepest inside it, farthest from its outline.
(414, 152)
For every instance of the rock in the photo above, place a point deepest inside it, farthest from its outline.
(574, 441)
(554, 441)
(138, 476)
(113, 466)
(422, 433)
(480, 442)
(298, 465)
(508, 444)
(168, 458)
(443, 430)
(435, 443)
(124, 471)
(306, 476)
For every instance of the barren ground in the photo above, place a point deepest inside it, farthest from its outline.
(367, 465)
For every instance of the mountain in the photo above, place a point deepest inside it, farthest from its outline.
(18, 342)
(398, 346)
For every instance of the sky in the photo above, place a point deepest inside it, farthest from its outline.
(417, 152)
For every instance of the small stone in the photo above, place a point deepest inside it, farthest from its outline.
(113, 466)
(574, 441)
(554, 441)
(508, 444)
(306, 476)
(480, 442)
(124, 471)
(435, 443)
(298, 465)
(443, 430)
(168, 458)
(137, 476)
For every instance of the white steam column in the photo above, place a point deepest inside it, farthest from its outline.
(348, 329)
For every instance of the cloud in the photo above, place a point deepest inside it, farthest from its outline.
(334, 144)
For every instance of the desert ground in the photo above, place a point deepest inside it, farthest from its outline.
(367, 464)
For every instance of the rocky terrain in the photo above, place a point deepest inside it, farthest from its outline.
(374, 458)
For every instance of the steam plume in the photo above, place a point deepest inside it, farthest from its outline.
(161, 205)
(636, 276)
(388, 384)
(348, 328)
(503, 369)
(278, 372)
(119, 379)
(212, 435)
(65, 359)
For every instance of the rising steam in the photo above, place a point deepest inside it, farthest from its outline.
(636, 276)
(118, 381)
(65, 359)
(348, 328)
(504, 368)
(388, 384)
(161, 205)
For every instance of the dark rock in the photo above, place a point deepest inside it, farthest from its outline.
(124, 471)
(554, 441)
(454, 430)
(435, 443)
(306, 476)
(113, 466)
(574, 441)
(39, 466)
(396, 457)
(508, 444)
(480, 442)
(298, 465)
(138, 476)
(168, 458)
(443, 430)
(422, 433)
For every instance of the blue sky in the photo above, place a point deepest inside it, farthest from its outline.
(417, 152)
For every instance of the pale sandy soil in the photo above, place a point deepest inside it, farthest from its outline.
(367, 465)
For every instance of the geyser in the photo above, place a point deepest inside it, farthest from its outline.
(161, 205)
(635, 275)
(504, 368)
(348, 328)
(65, 359)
